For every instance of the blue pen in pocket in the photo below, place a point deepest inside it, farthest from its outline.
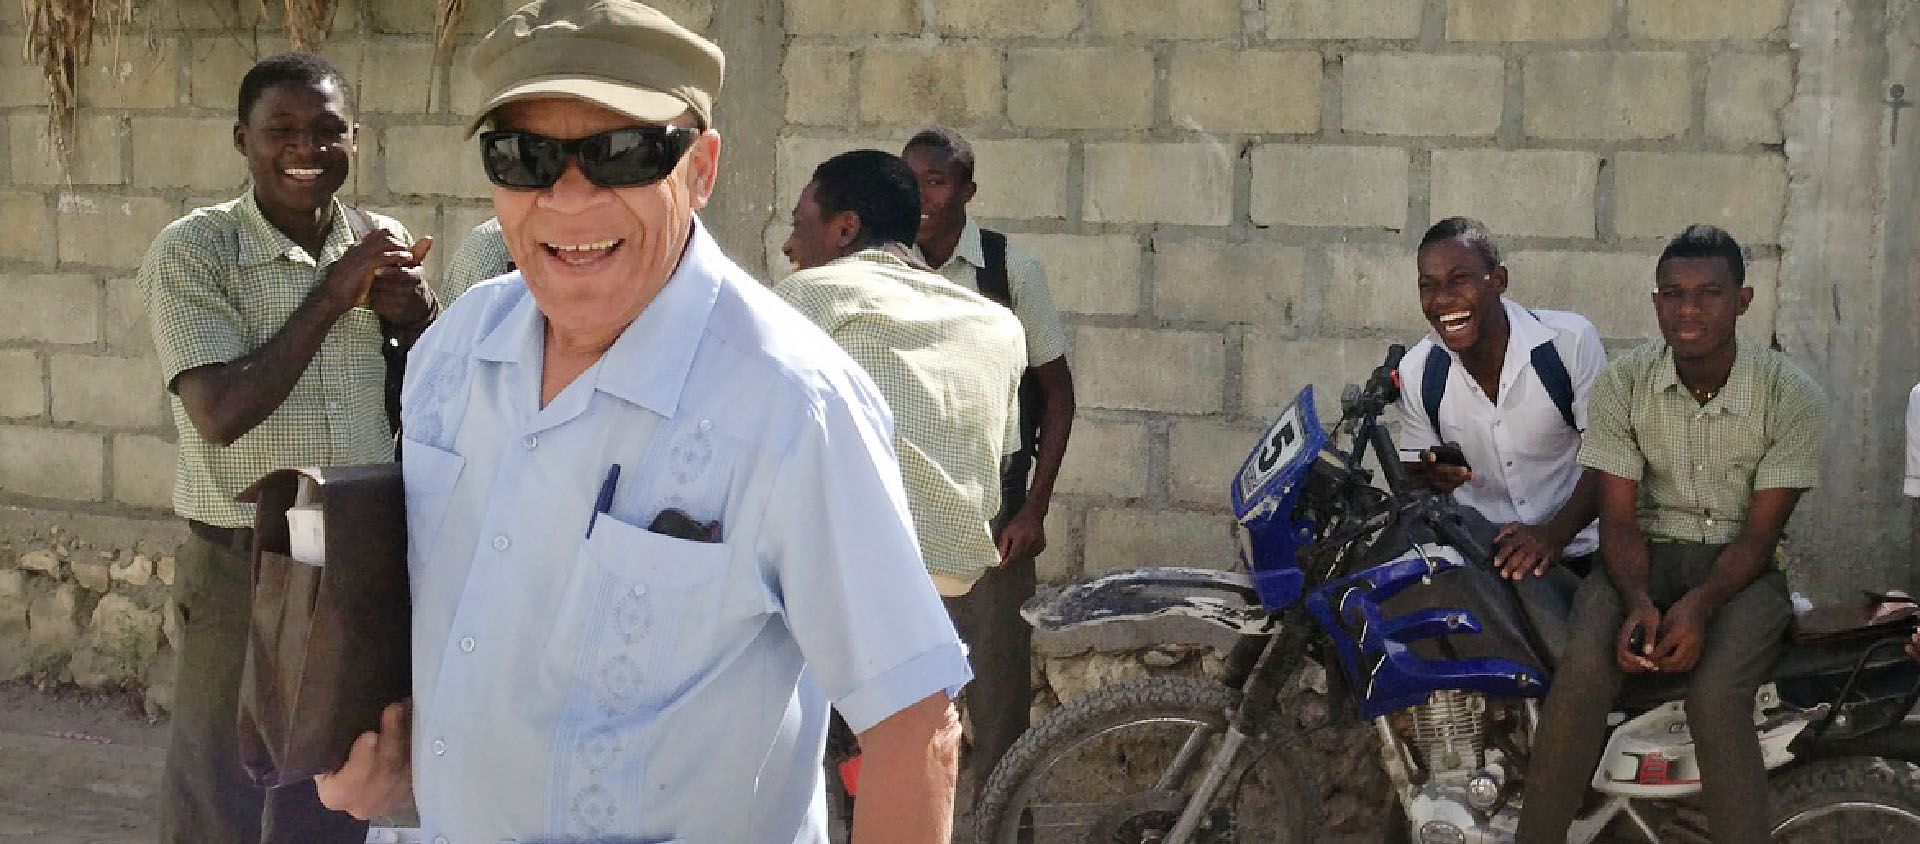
(605, 502)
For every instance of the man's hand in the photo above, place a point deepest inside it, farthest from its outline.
(1646, 618)
(400, 294)
(1682, 632)
(378, 776)
(1521, 549)
(1441, 474)
(1024, 535)
(350, 279)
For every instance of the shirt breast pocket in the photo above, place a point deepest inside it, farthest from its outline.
(661, 614)
(431, 474)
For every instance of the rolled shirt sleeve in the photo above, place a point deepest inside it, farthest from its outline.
(1795, 430)
(1033, 304)
(1609, 445)
(853, 588)
(194, 322)
(1589, 360)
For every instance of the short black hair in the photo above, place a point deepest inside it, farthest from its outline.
(304, 69)
(1469, 231)
(946, 140)
(876, 186)
(1701, 240)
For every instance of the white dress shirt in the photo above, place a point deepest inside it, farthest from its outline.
(1525, 459)
(629, 685)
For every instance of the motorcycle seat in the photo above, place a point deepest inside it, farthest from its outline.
(1799, 661)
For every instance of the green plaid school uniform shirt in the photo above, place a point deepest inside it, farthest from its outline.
(220, 282)
(1698, 465)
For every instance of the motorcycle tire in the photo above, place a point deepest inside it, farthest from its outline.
(1847, 799)
(1286, 797)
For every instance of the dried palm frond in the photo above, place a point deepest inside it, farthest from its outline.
(308, 22)
(446, 22)
(60, 40)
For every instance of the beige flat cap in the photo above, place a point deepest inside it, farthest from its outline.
(620, 54)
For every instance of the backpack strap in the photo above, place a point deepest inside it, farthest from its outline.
(992, 278)
(1433, 384)
(1553, 376)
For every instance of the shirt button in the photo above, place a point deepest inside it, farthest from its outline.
(466, 644)
(531, 442)
(1509, 464)
(500, 543)
(333, 405)
(639, 590)
(1709, 523)
(1523, 501)
(439, 747)
(439, 839)
(706, 425)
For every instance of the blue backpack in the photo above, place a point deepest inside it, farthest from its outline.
(1546, 364)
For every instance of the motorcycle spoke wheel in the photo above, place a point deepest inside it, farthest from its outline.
(1116, 767)
(1853, 800)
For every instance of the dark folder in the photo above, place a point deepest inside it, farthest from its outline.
(327, 645)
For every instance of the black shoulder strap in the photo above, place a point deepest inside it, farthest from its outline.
(1553, 376)
(993, 280)
(1433, 384)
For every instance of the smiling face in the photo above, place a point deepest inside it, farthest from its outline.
(594, 257)
(944, 193)
(818, 237)
(1460, 294)
(1698, 303)
(297, 140)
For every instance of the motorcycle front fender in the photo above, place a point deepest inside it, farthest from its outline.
(1146, 607)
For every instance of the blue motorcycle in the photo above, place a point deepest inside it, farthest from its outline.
(1393, 592)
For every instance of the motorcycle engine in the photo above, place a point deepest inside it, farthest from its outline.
(1463, 798)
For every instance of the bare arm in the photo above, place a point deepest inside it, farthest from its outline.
(1024, 535)
(226, 400)
(1741, 562)
(1624, 550)
(910, 762)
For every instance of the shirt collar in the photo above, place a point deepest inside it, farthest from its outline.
(876, 256)
(648, 364)
(261, 242)
(969, 248)
(1735, 396)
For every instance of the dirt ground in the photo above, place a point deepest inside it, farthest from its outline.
(77, 767)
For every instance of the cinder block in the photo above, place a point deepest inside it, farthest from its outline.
(51, 464)
(1374, 288)
(1060, 562)
(225, 16)
(24, 237)
(1088, 274)
(213, 77)
(126, 328)
(133, 76)
(143, 470)
(23, 392)
(114, 392)
(819, 85)
(418, 18)
(1219, 281)
(1745, 94)
(464, 92)
(1180, 183)
(1763, 313)
(1329, 186)
(1119, 539)
(96, 159)
(842, 18)
(1005, 19)
(50, 308)
(917, 85)
(1518, 192)
(1657, 194)
(393, 75)
(1142, 369)
(1607, 95)
(186, 152)
(1078, 88)
(1297, 19)
(1159, 19)
(1204, 455)
(1275, 369)
(1018, 179)
(1237, 90)
(1412, 94)
(1107, 459)
(417, 163)
(795, 159)
(1705, 20)
(1528, 20)
(22, 84)
(110, 231)
(1608, 288)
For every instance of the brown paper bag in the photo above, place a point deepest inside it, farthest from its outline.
(327, 645)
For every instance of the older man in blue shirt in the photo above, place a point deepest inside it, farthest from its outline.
(654, 518)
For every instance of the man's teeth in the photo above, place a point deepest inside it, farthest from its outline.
(1455, 321)
(301, 173)
(584, 247)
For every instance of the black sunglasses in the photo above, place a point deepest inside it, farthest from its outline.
(617, 158)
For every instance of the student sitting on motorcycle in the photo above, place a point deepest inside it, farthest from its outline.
(1505, 390)
(1703, 445)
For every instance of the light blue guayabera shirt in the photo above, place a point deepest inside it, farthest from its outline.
(632, 686)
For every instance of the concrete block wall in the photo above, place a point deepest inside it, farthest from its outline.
(1227, 193)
